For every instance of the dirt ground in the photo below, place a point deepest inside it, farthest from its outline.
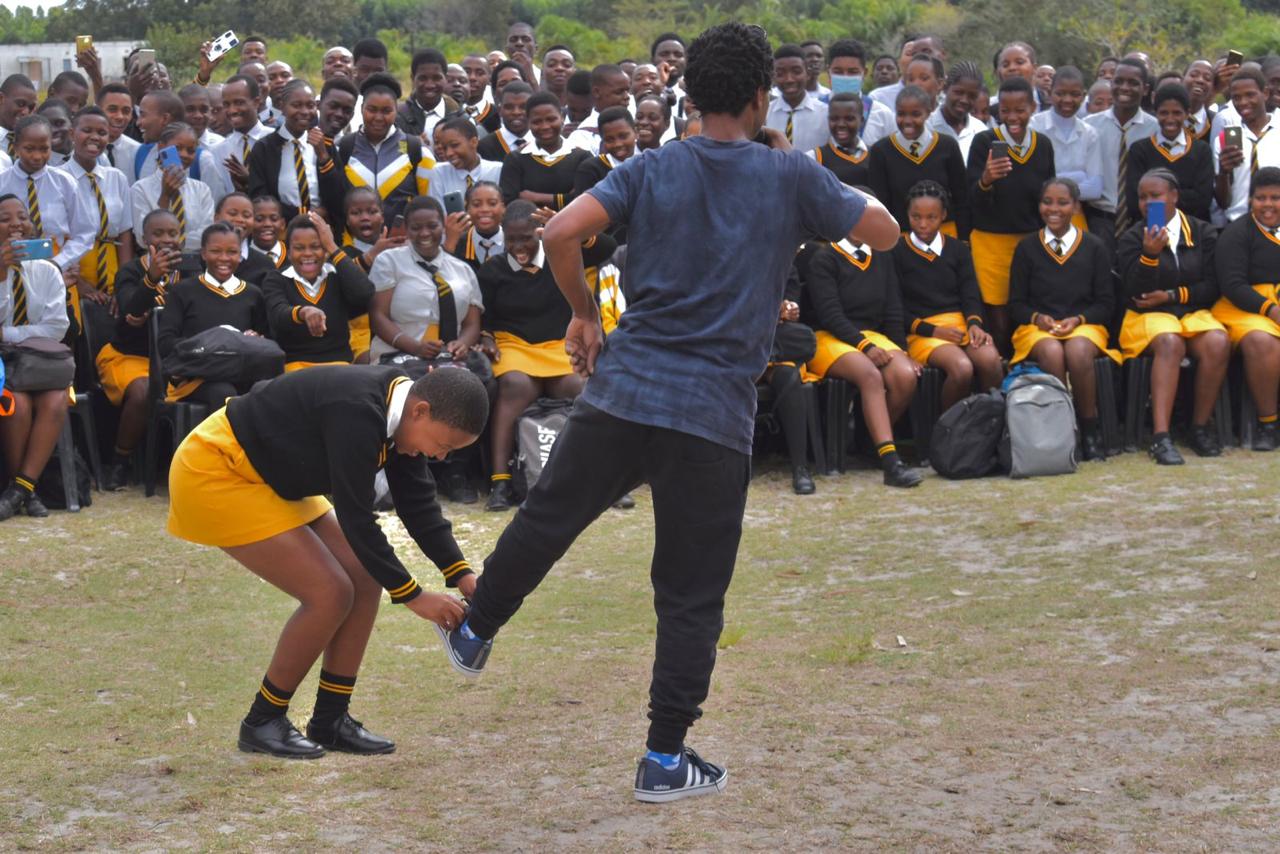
(1085, 663)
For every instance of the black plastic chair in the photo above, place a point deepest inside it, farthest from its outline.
(836, 397)
(177, 418)
(1104, 371)
(925, 410)
(87, 385)
(1137, 402)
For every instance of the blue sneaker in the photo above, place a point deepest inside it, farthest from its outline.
(693, 776)
(467, 655)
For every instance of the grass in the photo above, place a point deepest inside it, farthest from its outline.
(1088, 666)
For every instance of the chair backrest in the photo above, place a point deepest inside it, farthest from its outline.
(156, 386)
(94, 320)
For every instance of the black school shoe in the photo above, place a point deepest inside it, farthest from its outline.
(500, 496)
(1164, 453)
(1092, 447)
(12, 499)
(115, 478)
(802, 481)
(277, 737)
(35, 507)
(899, 474)
(693, 776)
(1204, 441)
(1264, 437)
(348, 735)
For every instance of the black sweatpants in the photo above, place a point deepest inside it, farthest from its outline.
(699, 495)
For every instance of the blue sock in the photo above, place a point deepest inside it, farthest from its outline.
(466, 632)
(669, 761)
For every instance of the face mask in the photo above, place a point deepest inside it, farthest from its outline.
(846, 83)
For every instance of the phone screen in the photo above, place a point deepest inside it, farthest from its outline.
(40, 248)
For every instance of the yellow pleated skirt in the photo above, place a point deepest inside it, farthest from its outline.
(1028, 335)
(89, 267)
(919, 347)
(118, 370)
(992, 258)
(360, 336)
(1140, 328)
(290, 367)
(831, 348)
(1240, 323)
(217, 498)
(547, 359)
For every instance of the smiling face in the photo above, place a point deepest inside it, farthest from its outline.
(521, 240)
(911, 116)
(513, 114)
(619, 139)
(1249, 100)
(221, 255)
(456, 148)
(197, 111)
(119, 109)
(485, 207)
(237, 212)
(644, 80)
(1056, 208)
(336, 111)
(925, 215)
(306, 253)
(19, 102)
(1067, 96)
(1127, 87)
(1016, 110)
(1264, 204)
(546, 123)
(240, 106)
(364, 216)
(267, 224)
(1199, 83)
(428, 84)
(337, 62)
(15, 224)
(844, 122)
(379, 112)
(789, 76)
(651, 123)
(1172, 117)
(425, 229)
(185, 143)
(152, 118)
(299, 111)
(89, 138)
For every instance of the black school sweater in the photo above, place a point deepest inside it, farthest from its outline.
(191, 307)
(1191, 275)
(521, 172)
(590, 172)
(137, 293)
(1247, 255)
(344, 296)
(1078, 284)
(323, 431)
(936, 284)
(894, 172)
(843, 296)
(850, 167)
(1012, 204)
(1193, 168)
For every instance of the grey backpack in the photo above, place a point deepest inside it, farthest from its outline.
(536, 433)
(1040, 427)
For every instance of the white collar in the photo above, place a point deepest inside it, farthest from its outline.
(1068, 240)
(436, 262)
(1137, 117)
(230, 287)
(75, 170)
(536, 150)
(1173, 228)
(806, 104)
(273, 253)
(1020, 147)
(854, 248)
(360, 244)
(613, 162)
(538, 261)
(312, 288)
(395, 407)
(1064, 125)
(926, 136)
(511, 139)
(288, 137)
(935, 247)
(437, 110)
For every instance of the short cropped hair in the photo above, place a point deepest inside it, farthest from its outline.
(457, 398)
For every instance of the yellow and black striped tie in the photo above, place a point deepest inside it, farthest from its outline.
(33, 207)
(180, 212)
(11, 146)
(19, 298)
(244, 157)
(103, 236)
(1122, 184)
(791, 126)
(471, 182)
(1253, 152)
(304, 186)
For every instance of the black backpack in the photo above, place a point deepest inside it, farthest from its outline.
(225, 355)
(966, 438)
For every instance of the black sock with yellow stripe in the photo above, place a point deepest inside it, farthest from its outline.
(270, 702)
(26, 484)
(888, 454)
(1268, 419)
(333, 698)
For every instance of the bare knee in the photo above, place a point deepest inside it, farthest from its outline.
(335, 595)
(1080, 354)
(1214, 347)
(1167, 347)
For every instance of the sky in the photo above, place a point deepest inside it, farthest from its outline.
(45, 4)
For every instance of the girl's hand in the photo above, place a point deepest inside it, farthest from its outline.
(978, 337)
(325, 233)
(441, 609)
(315, 137)
(790, 311)
(238, 171)
(996, 168)
(455, 225)
(429, 349)
(314, 320)
(253, 333)
(467, 585)
(1154, 241)
(458, 349)
(1151, 299)
(543, 215)
(878, 356)
(1066, 327)
(490, 348)
(948, 333)
(163, 261)
(1045, 323)
(171, 182)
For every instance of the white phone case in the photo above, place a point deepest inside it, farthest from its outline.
(223, 45)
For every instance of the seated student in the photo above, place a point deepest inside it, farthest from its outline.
(198, 112)
(542, 172)
(236, 210)
(845, 153)
(461, 166)
(295, 165)
(268, 228)
(382, 156)
(122, 363)
(33, 304)
(954, 116)
(311, 303)
(59, 116)
(54, 209)
(941, 301)
(174, 190)
(513, 132)
(525, 317)
(1077, 153)
(419, 114)
(251, 480)
(1260, 144)
(482, 238)
(1246, 260)
(217, 297)
(852, 301)
(1005, 192)
(105, 192)
(240, 96)
(1061, 298)
(364, 239)
(1176, 149)
(914, 153)
(1201, 86)
(794, 344)
(1169, 283)
(847, 66)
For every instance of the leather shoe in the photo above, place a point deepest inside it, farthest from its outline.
(11, 501)
(1164, 453)
(35, 507)
(278, 737)
(348, 735)
(1204, 441)
(626, 502)
(1264, 437)
(1093, 449)
(898, 473)
(802, 481)
(500, 497)
(115, 478)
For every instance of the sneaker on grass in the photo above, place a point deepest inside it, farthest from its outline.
(467, 653)
(657, 784)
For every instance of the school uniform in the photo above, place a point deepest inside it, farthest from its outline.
(1109, 215)
(121, 153)
(805, 125)
(33, 302)
(397, 168)
(851, 167)
(194, 212)
(56, 211)
(421, 287)
(1187, 158)
(852, 302)
(260, 467)
(474, 248)
(878, 121)
(199, 303)
(972, 127)
(592, 171)
(209, 139)
(1260, 149)
(105, 191)
(497, 145)
(203, 168)
(1076, 155)
(342, 292)
(527, 314)
(1247, 263)
(1008, 210)
(896, 164)
(237, 144)
(483, 114)
(284, 166)
(540, 171)
(1069, 279)
(416, 120)
(939, 288)
(587, 134)
(447, 178)
(124, 358)
(1200, 123)
(1185, 268)
(887, 95)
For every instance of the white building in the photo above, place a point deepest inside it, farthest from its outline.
(45, 61)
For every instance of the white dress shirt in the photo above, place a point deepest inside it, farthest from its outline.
(809, 121)
(887, 95)
(209, 139)
(1267, 146)
(63, 215)
(1110, 134)
(432, 117)
(486, 247)
(232, 146)
(880, 121)
(287, 186)
(115, 194)
(395, 407)
(197, 202)
(935, 246)
(1076, 152)
(415, 305)
(46, 303)
(121, 154)
(447, 178)
(1068, 240)
(973, 126)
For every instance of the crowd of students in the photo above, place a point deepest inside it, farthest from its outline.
(364, 223)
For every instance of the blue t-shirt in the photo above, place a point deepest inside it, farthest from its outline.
(713, 229)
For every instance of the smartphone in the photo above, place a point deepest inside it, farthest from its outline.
(453, 203)
(1234, 57)
(84, 43)
(222, 45)
(144, 59)
(37, 249)
(397, 227)
(169, 157)
(1233, 136)
(999, 148)
(1156, 217)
